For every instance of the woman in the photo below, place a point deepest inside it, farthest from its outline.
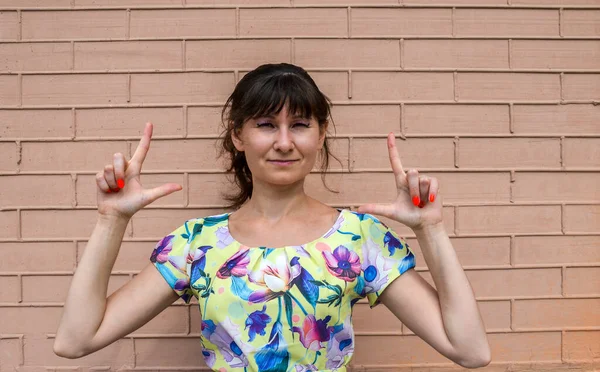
(276, 278)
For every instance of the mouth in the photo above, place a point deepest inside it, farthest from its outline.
(283, 162)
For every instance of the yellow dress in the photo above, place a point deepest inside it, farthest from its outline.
(286, 308)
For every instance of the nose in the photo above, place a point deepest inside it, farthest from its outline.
(284, 141)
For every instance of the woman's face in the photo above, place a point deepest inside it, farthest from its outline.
(281, 149)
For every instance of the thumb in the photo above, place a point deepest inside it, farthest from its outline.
(386, 210)
(161, 191)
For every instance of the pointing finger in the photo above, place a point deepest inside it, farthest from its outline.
(142, 149)
(395, 157)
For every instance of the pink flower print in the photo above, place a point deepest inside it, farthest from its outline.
(162, 249)
(276, 277)
(340, 345)
(224, 238)
(236, 265)
(313, 332)
(343, 263)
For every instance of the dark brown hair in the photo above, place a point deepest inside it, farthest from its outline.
(265, 91)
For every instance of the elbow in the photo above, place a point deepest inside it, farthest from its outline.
(67, 350)
(477, 360)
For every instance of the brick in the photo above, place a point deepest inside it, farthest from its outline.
(378, 319)
(128, 55)
(87, 189)
(9, 90)
(400, 22)
(132, 257)
(509, 152)
(581, 22)
(36, 191)
(563, 119)
(507, 86)
(206, 188)
(54, 256)
(74, 89)
(542, 250)
(455, 119)
(554, 2)
(191, 87)
(10, 353)
(237, 2)
(506, 22)
(8, 160)
(581, 345)
(454, 2)
(581, 152)
(539, 314)
(495, 314)
(10, 288)
(36, 56)
(24, 124)
(455, 53)
(174, 23)
(407, 86)
(204, 121)
(333, 84)
(156, 352)
(174, 155)
(156, 224)
(526, 347)
(347, 53)
(60, 223)
(582, 281)
(55, 288)
(359, 119)
(414, 153)
(8, 224)
(34, 3)
(74, 24)
(555, 54)
(509, 219)
(347, 183)
(558, 187)
(582, 218)
(30, 320)
(295, 22)
(472, 251)
(121, 3)
(581, 86)
(113, 122)
(38, 351)
(9, 25)
(58, 156)
(236, 53)
(339, 148)
(395, 349)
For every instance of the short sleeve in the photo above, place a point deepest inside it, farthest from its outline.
(385, 256)
(170, 257)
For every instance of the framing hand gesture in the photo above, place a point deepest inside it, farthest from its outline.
(418, 203)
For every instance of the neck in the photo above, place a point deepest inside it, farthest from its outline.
(273, 202)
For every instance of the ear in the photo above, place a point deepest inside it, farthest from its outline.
(237, 141)
(322, 133)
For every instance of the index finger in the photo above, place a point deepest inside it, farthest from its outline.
(394, 157)
(142, 149)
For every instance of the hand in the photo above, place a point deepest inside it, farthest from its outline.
(120, 193)
(418, 203)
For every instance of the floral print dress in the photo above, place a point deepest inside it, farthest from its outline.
(286, 308)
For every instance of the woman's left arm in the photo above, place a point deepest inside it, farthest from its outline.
(447, 319)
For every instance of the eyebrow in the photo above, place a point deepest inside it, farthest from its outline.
(271, 116)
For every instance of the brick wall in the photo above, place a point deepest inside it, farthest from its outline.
(496, 98)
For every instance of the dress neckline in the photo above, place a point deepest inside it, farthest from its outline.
(336, 225)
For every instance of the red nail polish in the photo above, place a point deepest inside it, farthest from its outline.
(416, 200)
(431, 198)
(109, 191)
(121, 183)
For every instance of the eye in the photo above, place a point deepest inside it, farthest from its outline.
(264, 125)
(302, 125)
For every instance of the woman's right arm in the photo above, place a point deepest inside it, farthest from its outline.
(90, 320)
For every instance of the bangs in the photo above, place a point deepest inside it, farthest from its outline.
(268, 97)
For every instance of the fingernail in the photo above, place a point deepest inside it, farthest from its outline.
(109, 191)
(416, 200)
(121, 183)
(431, 198)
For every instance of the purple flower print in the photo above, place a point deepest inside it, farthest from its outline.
(162, 249)
(375, 267)
(313, 332)
(224, 238)
(392, 242)
(236, 265)
(343, 263)
(227, 337)
(209, 357)
(340, 345)
(276, 278)
(335, 227)
(257, 321)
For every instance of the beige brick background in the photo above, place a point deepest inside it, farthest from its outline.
(499, 99)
